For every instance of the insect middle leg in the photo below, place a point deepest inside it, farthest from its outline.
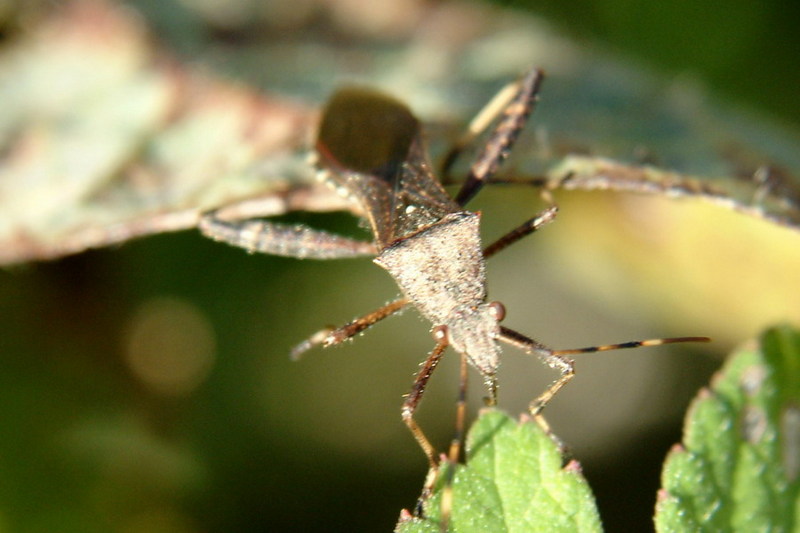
(526, 228)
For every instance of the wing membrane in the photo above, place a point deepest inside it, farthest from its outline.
(370, 146)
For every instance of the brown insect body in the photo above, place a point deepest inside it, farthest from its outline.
(441, 270)
(430, 246)
(370, 148)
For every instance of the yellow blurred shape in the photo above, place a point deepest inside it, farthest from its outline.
(169, 346)
(704, 269)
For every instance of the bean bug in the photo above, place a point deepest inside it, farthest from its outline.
(370, 147)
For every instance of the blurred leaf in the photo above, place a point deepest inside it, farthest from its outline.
(738, 466)
(105, 137)
(762, 195)
(514, 480)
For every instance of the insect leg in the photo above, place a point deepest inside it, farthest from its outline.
(499, 143)
(282, 239)
(413, 398)
(330, 336)
(455, 447)
(557, 357)
(461, 411)
(478, 125)
(551, 358)
(524, 229)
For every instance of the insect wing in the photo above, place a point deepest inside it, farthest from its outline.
(419, 199)
(370, 145)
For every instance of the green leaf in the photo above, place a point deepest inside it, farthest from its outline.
(514, 481)
(738, 466)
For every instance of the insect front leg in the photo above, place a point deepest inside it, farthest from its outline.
(330, 336)
(558, 360)
(455, 447)
(409, 408)
(282, 239)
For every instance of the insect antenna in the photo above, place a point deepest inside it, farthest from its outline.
(558, 360)
(630, 344)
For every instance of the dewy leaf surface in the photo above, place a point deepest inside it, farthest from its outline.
(513, 481)
(738, 466)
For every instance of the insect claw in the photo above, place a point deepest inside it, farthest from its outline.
(535, 407)
(317, 338)
(405, 516)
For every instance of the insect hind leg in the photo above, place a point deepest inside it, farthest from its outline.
(477, 126)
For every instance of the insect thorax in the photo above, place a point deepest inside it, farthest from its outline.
(441, 270)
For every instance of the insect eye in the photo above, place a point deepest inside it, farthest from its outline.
(497, 310)
(440, 334)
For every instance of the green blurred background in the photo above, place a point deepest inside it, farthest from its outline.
(221, 432)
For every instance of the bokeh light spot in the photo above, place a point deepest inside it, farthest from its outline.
(169, 346)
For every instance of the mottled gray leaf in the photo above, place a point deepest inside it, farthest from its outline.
(105, 136)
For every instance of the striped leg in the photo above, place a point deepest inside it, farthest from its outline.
(557, 360)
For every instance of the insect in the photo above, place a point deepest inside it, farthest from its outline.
(370, 147)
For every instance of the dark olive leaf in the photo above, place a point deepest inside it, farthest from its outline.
(762, 194)
(602, 124)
